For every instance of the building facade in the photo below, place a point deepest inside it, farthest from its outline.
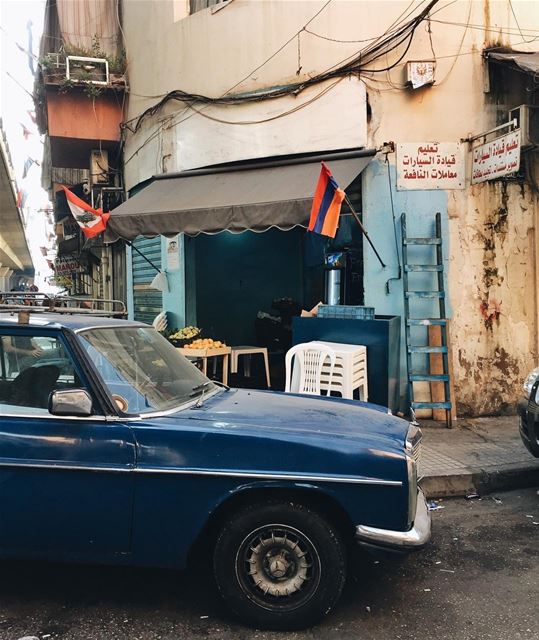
(213, 84)
(79, 96)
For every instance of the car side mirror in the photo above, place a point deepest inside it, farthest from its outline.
(70, 402)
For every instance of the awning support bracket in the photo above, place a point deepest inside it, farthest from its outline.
(363, 230)
(130, 244)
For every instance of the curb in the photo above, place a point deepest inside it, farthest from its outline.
(481, 481)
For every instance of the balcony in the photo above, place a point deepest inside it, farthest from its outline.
(80, 104)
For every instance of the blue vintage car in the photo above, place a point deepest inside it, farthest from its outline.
(114, 448)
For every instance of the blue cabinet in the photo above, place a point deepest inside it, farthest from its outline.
(381, 336)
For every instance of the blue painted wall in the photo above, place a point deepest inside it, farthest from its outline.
(174, 298)
(420, 208)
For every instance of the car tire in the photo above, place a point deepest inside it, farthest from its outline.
(280, 565)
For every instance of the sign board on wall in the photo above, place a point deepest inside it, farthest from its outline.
(430, 165)
(496, 158)
(65, 265)
(173, 253)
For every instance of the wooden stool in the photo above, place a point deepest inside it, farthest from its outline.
(248, 351)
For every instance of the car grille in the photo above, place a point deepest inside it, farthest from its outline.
(416, 451)
(413, 442)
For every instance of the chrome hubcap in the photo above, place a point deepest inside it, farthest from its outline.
(278, 561)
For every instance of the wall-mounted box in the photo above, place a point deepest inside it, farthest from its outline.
(420, 73)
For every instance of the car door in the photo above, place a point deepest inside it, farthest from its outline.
(66, 485)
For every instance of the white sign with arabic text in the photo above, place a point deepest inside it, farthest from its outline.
(496, 158)
(430, 165)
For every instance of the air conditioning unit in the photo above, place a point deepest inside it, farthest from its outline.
(527, 117)
(99, 166)
(88, 70)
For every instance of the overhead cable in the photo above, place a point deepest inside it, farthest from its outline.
(356, 63)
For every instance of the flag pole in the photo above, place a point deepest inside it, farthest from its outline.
(363, 230)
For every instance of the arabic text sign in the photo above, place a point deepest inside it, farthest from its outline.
(430, 165)
(496, 158)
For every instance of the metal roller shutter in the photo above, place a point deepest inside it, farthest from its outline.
(147, 302)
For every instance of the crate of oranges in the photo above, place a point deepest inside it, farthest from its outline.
(205, 348)
(205, 343)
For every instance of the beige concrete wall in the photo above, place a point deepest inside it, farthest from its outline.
(493, 239)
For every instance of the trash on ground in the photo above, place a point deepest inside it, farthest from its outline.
(529, 516)
(426, 589)
(438, 562)
(497, 500)
(204, 617)
(433, 506)
(473, 496)
(447, 570)
(368, 609)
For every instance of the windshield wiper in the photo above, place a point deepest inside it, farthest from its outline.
(199, 387)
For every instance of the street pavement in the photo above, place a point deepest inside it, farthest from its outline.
(477, 580)
(478, 455)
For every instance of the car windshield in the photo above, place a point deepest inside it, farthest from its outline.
(142, 371)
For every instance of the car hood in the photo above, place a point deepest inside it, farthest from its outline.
(290, 413)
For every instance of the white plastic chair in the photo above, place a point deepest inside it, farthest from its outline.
(304, 376)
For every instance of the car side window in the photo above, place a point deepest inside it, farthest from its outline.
(31, 367)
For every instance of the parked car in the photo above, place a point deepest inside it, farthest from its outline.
(528, 413)
(118, 450)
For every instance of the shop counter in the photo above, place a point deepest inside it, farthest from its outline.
(381, 336)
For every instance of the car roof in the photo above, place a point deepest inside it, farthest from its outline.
(68, 321)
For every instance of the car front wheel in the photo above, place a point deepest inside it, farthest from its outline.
(280, 565)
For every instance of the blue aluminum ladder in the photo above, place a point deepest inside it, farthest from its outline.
(414, 352)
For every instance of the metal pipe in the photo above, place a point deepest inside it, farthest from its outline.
(512, 123)
(269, 164)
(363, 230)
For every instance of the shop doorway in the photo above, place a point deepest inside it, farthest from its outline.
(239, 275)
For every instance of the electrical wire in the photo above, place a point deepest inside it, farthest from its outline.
(198, 98)
(508, 31)
(460, 45)
(516, 21)
(280, 48)
(355, 63)
(270, 118)
(157, 132)
(352, 64)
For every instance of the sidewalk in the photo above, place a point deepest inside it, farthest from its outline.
(478, 455)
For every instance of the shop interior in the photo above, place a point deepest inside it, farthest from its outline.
(250, 285)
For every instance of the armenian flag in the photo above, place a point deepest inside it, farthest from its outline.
(326, 207)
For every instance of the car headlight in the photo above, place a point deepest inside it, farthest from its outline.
(530, 381)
